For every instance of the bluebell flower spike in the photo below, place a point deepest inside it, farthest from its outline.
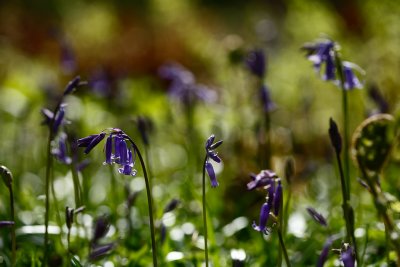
(211, 154)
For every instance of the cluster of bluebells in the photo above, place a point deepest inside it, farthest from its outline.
(56, 120)
(268, 180)
(256, 63)
(183, 85)
(323, 53)
(116, 149)
(212, 155)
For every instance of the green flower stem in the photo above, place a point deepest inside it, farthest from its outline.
(283, 247)
(267, 127)
(77, 187)
(49, 168)
(205, 212)
(13, 237)
(347, 210)
(149, 200)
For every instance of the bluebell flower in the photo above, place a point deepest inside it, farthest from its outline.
(101, 228)
(350, 79)
(264, 215)
(261, 180)
(211, 154)
(183, 85)
(116, 149)
(60, 152)
(256, 62)
(324, 253)
(321, 53)
(347, 256)
(377, 97)
(317, 216)
(171, 205)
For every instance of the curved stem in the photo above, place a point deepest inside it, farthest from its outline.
(149, 200)
(205, 213)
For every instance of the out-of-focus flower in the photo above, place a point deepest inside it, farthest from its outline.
(266, 101)
(171, 205)
(256, 62)
(211, 154)
(317, 216)
(101, 227)
(264, 215)
(6, 223)
(183, 85)
(99, 251)
(145, 126)
(350, 79)
(319, 53)
(377, 97)
(261, 180)
(60, 152)
(324, 253)
(347, 256)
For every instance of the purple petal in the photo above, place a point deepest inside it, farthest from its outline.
(123, 152)
(209, 141)
(347, 257)
(255, 61)
(216, 144)
(94, 142)
(84, 142)
(214, 156)
(72, 85)
(211, 174)
(100, 250)
(264, 214)
(108, 150)
(58, 120)
(278, 198)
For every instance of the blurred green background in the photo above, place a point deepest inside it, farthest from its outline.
(118, 47)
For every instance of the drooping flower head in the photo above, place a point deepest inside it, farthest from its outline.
(117, 149)
(256, 62)
(320, 53)
(211, 154)
(323, 53)
(183, 85)
(60, 151)
(266, 101)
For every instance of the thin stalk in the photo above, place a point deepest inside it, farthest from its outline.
(149, 200)
(77, 187)
(205, 213)
(283, 247)
(346, 209)
(13, 237)
(49, 167)
(267, 126)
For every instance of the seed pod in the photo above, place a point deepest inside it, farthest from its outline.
(6, 175)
